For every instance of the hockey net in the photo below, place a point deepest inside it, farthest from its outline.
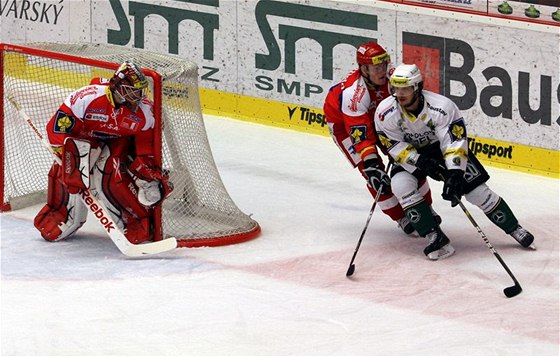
(40, 76)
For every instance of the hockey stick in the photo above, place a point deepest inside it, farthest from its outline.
(510, 291)
(352, 266)
(99, 211)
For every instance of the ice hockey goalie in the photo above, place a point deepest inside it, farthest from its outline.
(104, 135)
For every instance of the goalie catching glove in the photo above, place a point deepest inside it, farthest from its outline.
(153, 186)
(378, 179)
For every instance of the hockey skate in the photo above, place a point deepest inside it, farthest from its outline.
(523, 236)
(438, 246)
(405, 225)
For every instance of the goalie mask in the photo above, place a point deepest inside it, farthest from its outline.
(128, 83)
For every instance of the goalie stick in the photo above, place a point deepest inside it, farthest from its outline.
(99, 211)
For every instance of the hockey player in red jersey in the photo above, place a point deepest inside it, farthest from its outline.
(104, 135)
(349, 108)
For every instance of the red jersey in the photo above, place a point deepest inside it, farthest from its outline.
(91, 113)
(350, 106)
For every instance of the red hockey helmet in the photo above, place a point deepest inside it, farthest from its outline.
(371, 53)
(128, 83)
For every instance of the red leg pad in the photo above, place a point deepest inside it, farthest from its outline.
(121, 193)
(55, 211)
(137, 230)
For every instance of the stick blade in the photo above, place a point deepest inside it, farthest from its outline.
(512, 291)
(350, 270)
(140, 250)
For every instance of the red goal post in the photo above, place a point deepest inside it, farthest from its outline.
(40, 76)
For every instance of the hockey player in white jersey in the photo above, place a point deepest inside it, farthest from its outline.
(425, 134)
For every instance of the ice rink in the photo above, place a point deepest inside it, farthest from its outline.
(285, 292)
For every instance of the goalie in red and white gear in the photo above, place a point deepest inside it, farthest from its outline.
(349, 109)
(104, 135)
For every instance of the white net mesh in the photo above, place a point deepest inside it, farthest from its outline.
(199, 211)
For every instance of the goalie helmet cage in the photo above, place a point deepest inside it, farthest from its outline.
(199, 212)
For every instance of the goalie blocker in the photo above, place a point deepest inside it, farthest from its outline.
(111, 182)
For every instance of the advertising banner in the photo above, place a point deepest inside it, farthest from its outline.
(44, 20)
(539, 11)
(273, 61)
(470, 5)
(503, 86)
(293, 52)
(204, 31)
(543, 10)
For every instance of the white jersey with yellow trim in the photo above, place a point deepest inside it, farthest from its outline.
(403, 133)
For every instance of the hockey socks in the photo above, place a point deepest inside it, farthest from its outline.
(502, 216)
(424, 222)
(420, 215)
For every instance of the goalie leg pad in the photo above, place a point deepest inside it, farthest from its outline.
(76, 164)
(117, 191)
(137, 230)
(63, 214)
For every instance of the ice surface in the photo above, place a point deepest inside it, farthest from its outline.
(286, 293)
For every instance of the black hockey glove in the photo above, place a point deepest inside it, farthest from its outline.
(453, 188)
(377, 178)
(431, 166)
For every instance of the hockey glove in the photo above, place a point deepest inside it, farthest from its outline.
(377, 178)
(453, 188)
(151, 193)
(431, 166)
(153, 185)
